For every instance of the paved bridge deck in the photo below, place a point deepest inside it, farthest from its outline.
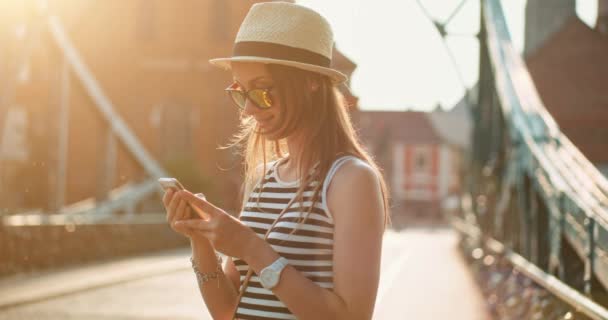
(423, 277)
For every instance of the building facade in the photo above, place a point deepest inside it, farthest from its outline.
(150, 60)
(421, 166)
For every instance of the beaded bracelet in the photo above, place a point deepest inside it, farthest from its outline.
(203, 277)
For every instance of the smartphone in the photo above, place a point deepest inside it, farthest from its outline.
(168, 183)
(172, 183)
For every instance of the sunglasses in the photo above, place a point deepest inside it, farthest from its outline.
(260, 97)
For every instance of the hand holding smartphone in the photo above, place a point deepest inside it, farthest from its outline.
(172, 183)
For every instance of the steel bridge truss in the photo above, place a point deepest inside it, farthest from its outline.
(532, 199)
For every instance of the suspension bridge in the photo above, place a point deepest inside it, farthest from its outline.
(530, 239)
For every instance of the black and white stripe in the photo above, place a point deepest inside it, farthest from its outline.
(309, 249)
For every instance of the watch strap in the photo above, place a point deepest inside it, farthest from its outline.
(279, 264)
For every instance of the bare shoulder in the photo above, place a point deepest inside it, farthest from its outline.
(355, 185)
(355, 170)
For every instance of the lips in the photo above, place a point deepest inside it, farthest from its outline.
(263, 121)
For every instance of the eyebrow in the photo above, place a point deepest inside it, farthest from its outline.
(252, 80)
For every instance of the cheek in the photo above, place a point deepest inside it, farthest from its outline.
(275, 113)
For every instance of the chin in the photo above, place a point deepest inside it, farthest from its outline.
(272, 136)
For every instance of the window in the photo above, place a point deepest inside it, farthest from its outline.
(422, 160)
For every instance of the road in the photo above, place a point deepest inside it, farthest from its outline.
(422, 277)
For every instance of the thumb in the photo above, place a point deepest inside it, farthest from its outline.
(199, 201)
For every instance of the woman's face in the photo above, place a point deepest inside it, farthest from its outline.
(255, 76)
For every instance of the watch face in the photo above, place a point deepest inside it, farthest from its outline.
(269, 278)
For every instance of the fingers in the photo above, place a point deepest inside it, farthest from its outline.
(179, 212)
(182, 210)
(202, 203)
(167, 197)
(188, 212)
(181, 229)
(197, 224)
(171, 210)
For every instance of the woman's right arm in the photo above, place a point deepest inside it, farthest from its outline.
(219, 299)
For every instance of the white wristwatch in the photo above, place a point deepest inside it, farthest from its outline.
(269, 276)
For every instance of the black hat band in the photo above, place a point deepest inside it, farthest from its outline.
(279, 51)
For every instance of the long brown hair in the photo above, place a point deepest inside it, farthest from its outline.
(323, 124)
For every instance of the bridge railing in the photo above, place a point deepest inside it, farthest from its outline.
(528, 187)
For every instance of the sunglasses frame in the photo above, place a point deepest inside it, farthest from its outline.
(246, 95)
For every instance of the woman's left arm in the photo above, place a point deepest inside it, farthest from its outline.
(355, 201)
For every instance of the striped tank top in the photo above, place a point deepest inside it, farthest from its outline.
(309, 250)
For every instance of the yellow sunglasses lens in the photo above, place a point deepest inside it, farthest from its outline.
(261, 97)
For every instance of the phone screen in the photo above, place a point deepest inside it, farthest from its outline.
(170, 183)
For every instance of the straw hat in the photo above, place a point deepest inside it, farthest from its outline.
(287, 34)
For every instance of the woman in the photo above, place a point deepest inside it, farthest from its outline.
(308, 181)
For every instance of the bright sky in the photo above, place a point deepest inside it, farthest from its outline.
(402, 61)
